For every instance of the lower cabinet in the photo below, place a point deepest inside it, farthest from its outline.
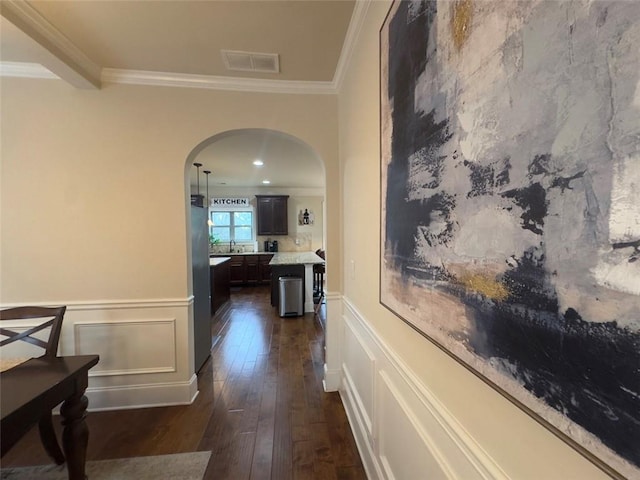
(265, 268)
(237, 270)
(249, 269)
(220, 291)
(252, 266)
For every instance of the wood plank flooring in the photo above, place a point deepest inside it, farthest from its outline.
(261, 410)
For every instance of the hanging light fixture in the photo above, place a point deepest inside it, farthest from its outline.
(207, 172)
(197, 199)
(198, 165)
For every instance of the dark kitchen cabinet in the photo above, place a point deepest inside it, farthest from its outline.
(220, 292)
(272, 214)
(265, 268)
(250, 269)
(237, 270)
(252, 266)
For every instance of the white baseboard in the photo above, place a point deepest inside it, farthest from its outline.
(332, 377)
(363, 441)
(142, 396)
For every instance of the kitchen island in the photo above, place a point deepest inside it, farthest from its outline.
(219, 280)
(294, 263)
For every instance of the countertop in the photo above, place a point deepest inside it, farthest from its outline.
(239, 253)
(215, 261)
(295, 258)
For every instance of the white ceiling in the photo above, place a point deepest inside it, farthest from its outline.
(88, 43)
(287, 161)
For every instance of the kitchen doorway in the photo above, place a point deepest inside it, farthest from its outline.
(241, 164)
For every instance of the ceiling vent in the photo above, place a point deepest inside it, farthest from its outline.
(251, 61)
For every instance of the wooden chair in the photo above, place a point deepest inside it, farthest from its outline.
(49, 318)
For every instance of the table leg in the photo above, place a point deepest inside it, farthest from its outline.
(48, 437)
(75, 436)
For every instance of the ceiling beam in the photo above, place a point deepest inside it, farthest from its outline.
(63, 58)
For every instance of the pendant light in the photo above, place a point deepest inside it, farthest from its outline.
(198, 165)
(207, 172)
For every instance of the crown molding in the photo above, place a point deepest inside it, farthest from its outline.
(67, 60)
(353, 32)
(167, 79)
(25, 70)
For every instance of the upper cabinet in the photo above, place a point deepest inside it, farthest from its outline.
(272, 214)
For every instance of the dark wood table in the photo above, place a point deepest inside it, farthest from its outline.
(39, 385)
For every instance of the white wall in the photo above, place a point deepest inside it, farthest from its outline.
(417, 413)
(311, 235)
(93, 206)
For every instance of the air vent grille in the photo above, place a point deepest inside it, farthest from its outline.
(251, 61)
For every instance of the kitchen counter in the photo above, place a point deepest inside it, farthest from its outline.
(233, 254)
(215, 261)
(295, 258)
(285, 258)
(298, 264)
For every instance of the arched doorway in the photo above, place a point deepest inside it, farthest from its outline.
(291, 166)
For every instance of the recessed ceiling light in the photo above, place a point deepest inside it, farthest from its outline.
(258, 163)
(266, 182)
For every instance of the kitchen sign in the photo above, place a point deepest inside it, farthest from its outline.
(230, 202)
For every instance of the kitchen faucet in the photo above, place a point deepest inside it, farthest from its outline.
(231, 244)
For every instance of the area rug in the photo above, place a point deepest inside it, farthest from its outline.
(179, 466)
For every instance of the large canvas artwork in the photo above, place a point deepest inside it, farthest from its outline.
(510, 145)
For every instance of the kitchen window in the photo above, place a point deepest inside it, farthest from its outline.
(232, 225)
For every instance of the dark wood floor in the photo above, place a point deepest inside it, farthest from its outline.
(261, 410)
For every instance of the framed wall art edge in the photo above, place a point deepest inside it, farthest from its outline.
(436, 174)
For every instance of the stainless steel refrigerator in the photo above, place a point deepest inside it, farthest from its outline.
(201, 285)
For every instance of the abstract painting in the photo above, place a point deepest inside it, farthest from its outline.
(510, 195)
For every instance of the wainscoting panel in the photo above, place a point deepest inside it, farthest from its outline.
(406, 451)
(145, 348)
(359, 369)
(402, 429)
(158, 394)
(333, 341)
(128, 347)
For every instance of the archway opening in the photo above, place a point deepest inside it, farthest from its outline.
(240, 162)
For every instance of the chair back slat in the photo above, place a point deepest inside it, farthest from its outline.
(25, 336)
(28, 313)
